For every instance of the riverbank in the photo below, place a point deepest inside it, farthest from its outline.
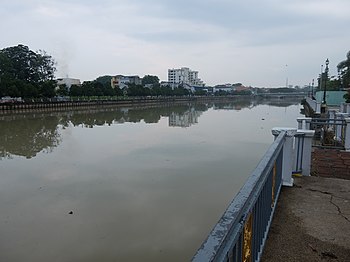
(121, 101)
(312, 219)
(49, 105)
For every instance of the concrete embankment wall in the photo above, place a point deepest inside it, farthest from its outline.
(64, 105)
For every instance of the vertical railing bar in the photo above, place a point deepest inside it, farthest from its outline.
(297, 151)
(255, 226)
(302, 152)
(261, 215)
(240, 255)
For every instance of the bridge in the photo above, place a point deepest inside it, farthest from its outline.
(282, 95)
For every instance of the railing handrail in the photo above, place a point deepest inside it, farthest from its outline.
(227, 230)
(326, 120)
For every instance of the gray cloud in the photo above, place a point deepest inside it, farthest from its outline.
(227, 41)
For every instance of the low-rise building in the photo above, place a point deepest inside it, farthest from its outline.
(242, 88)
(224, 87)
(122, 81)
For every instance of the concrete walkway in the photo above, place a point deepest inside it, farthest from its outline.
(312, 219)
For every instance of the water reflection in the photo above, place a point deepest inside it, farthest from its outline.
(28, 134)
(137, 188)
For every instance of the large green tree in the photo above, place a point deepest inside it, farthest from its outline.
(26, 73)
(105, 80)
(344, 70)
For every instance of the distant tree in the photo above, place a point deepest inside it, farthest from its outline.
(76, 90)
(163, 91)
(282, 90)
(333, 84)
(117, 92)
(180, 91)
(149, 79)
(138, 90)
(221, 93)
(47, 88)
(88, 88)
(62, 90)
(106, 79)
(344, 70)
(94, 88)
(109, 91)
(200, 92)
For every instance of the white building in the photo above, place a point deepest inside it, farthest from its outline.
(123, 81)
(225, 87)
(68, 82)
(183, 76)
(185, 119)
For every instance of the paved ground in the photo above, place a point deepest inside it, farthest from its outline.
(312, 219)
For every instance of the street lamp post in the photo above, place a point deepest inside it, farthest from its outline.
(325, 81)
(340, 80)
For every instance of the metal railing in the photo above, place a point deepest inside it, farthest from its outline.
(241, 232)
(332, 131)
(328, 132)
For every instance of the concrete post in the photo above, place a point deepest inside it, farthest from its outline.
(331, 113)
(306, 153)
(338, 128)
(344, 108)
(288, 154)
(347, 134)
(304, 122)
(318, 108)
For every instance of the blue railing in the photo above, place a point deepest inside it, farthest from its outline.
(241, 232)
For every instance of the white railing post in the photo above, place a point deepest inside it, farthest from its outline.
(338, 131)
(306, 152)
(288, 154)
(342, 107)
(347, 134)
(332, 113)
(304, 122)
(318, 108)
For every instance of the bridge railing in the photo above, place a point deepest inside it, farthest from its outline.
(242, 230)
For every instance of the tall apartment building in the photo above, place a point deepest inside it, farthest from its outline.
(183, 76)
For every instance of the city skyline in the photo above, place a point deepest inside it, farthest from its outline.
(253, 42)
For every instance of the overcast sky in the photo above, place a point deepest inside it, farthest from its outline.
(255, 42)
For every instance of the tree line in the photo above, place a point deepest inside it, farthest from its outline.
(28, 74)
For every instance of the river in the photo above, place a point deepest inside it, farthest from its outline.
(126, 183)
